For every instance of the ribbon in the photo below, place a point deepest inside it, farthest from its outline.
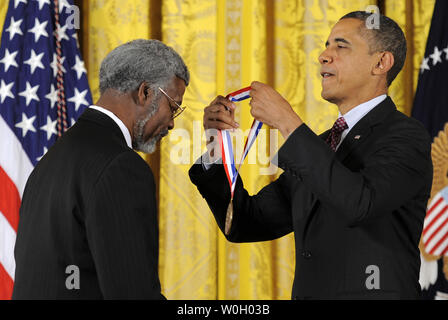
(227, 151)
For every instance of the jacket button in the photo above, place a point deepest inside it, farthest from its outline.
(306, 254)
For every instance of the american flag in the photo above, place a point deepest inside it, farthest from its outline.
(431, 108)
(43, 91)
(435, 229)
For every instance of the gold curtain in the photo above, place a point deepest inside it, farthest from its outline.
(3, 9)
(414, 17)
(226, 45)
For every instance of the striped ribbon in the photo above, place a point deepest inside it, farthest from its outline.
(226, 142)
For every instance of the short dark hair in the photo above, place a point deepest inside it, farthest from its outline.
(389, 37)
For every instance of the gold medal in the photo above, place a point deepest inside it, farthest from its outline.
(229, 217)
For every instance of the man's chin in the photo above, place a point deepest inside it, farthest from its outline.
(328, 96)
(149, 146)
(149, 149)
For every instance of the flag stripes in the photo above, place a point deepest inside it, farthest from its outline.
(435, 228)
(7, 239)
(6, 284)
(9, 200)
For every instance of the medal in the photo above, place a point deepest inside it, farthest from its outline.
(227, 153)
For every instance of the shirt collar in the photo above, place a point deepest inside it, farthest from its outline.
(356, 114)
(123, 128)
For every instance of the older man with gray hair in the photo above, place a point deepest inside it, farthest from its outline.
(88, 220)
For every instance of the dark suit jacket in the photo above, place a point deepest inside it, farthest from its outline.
(90, 202)
(361, 206)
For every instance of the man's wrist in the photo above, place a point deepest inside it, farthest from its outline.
(207, 162)
(290, 125)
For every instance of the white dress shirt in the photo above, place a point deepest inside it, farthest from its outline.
(123, 128)
(357, 113)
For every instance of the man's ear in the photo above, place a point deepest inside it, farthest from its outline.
(385, 62)
(143, 94)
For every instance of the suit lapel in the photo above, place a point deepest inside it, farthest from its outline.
(354, 138)
(357, 136)
(363, 128)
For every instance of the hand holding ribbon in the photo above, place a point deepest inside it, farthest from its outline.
(227, 152)
(269, 107)
(219, 115)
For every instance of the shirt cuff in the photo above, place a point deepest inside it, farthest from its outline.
(206, 164)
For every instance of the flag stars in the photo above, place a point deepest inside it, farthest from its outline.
(52, 96)
(73, 121)
(425, 65)
(39, 29)
(79, 99)
(61, 33)
(35, 61)
(79, 67)
(29, 64)
(45, 151)
(75, 36)
(14, 28)
(9, 59)
(26, 124)
(54, 64)
(62, 4)
(50, 127)
(5, 91)
(42, 3)
(436, 56)
(30, 93)
(18, 2)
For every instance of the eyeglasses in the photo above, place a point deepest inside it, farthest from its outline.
(174, 113)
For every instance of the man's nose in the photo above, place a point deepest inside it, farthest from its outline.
(325, 57)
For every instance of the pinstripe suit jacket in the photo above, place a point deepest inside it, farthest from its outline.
(90, 202)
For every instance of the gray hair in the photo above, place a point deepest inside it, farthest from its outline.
(126, 67)
(389, 37)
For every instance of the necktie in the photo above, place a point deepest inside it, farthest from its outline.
(334, 137)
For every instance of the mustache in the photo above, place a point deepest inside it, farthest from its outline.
(163, 133)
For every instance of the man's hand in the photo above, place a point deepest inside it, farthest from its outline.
(269, 107)
(219, 115)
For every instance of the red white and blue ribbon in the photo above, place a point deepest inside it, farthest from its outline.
(226, 141)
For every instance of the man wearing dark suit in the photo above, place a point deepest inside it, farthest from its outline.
(355, 197)
(88, 221)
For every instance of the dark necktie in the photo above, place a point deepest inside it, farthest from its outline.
(334, 137)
